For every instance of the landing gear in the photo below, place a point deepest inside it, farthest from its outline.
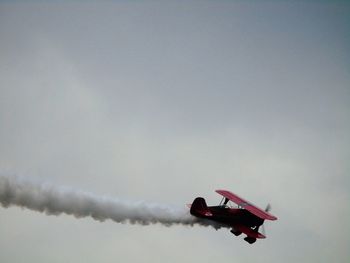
(250, 240)
(236, 233)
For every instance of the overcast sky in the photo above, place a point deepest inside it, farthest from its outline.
(169, 100)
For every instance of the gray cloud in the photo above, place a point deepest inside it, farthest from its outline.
(168, 102)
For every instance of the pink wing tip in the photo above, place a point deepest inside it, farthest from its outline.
(273, 218)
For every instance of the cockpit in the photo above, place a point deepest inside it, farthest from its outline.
(225, 203)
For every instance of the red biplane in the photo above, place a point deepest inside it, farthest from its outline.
(246, 218)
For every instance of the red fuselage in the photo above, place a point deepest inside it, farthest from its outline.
(224, 214)
(230, 216)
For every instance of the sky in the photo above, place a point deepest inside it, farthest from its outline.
(164, 101)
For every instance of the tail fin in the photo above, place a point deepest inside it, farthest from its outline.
(199, 208)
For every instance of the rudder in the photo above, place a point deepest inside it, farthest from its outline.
(199, 207)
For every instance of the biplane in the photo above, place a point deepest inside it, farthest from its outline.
(245, 218)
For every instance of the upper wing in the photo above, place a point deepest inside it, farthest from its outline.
(248, 231)
(246, 205)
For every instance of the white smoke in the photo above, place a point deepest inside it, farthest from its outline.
(54, 200)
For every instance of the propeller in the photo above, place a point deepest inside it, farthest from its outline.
(263, 229)
(267, 209)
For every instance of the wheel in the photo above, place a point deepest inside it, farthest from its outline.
(236, 233)
(250, 240)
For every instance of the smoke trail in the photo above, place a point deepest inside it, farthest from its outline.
(54, 200)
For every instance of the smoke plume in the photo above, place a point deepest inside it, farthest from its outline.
(54, 200)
